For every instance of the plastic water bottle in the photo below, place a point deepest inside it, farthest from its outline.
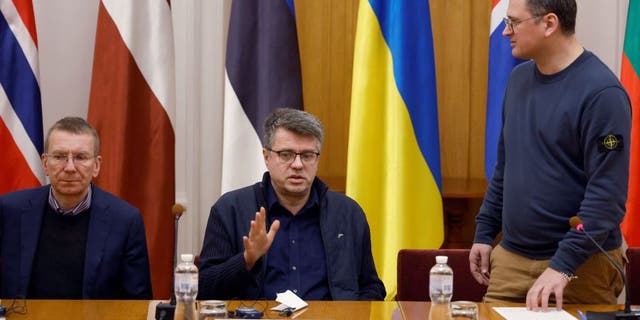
(441, 281)
(186, 289)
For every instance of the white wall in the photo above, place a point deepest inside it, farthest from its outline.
(600, 28)
(66, 32)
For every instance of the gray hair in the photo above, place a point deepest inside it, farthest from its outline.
(75, 125)
(296, 121)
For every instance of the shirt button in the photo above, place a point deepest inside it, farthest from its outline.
(295, 290)
(293, 268)
(293, 242)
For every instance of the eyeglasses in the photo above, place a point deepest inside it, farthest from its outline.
(511, 24)
(80, 159)
(288, 156)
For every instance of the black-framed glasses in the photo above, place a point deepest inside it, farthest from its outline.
(511, 23)
(288, 156)
(58, 158)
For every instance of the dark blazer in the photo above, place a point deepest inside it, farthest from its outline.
(116, 260)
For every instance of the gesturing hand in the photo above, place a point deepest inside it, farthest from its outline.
(259, 240)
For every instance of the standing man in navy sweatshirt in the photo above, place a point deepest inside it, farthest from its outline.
(563, 152)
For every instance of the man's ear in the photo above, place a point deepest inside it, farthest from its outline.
(96, 168)
(551, 24)
(43, 157)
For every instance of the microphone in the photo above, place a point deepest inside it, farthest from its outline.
(627, 314)
(165, 311)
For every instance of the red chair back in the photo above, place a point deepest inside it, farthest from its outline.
(413, 275)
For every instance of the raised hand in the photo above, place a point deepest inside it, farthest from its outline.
(259, 240)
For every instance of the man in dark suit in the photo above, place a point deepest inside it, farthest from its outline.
(70, 239)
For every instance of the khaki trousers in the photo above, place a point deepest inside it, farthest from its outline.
(512, 275)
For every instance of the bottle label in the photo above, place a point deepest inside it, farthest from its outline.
(186, 282)
(441, 284)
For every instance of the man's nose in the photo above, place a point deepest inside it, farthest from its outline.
(297, 161)
(506, 31)
(69, 165)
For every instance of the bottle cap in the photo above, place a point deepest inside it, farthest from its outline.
(442, 259)
(186, 257)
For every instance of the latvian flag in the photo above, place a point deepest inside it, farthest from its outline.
(20, 110)
(131, 106)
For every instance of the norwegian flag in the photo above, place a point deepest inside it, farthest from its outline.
(20, 107)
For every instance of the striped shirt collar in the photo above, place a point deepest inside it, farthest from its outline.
(78, 209)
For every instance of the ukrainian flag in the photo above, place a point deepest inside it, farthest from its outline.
(393, 167)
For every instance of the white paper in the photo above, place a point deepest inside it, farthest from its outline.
(289, 299)
(521, 313)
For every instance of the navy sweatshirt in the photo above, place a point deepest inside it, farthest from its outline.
(563, 151)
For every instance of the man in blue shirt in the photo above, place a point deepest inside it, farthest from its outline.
(563, 152)
(288, 232)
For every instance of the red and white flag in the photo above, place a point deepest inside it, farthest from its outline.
(132, 108)
(21, 141)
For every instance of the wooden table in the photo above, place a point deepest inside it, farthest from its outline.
(351, 310)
